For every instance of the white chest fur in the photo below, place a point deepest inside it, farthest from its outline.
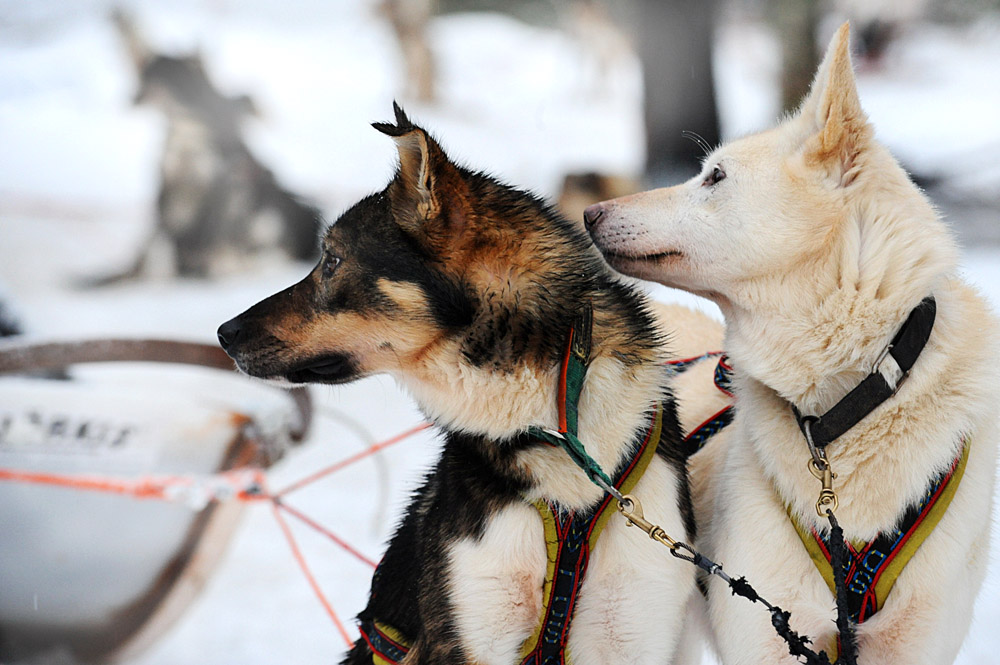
(631, 605)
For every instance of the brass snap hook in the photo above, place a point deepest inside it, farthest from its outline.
(824, 473)
(631, 509)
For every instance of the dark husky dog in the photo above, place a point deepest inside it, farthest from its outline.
(218, 208)
(466, 290)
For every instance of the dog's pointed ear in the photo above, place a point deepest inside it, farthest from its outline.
(428, 193)
(835, 125)
(139, 51)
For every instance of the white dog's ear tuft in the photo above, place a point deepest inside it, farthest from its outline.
(836, 126)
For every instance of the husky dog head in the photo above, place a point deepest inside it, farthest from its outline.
(179, 86)
(442, 274)
(811, 207)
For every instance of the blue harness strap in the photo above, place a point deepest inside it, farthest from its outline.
(700, 435)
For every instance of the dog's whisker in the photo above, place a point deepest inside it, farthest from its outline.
(699, 140)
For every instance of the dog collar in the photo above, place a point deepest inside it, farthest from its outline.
(573, 371)
(859, 596)
(874, 389)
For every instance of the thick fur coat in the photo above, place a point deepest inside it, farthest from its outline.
(816, 246)
(464, 290)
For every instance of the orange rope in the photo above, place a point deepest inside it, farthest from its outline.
(374, 448)
(165, 488)
(244, 484)
(146, 488)
(297, 553)
(326, 532)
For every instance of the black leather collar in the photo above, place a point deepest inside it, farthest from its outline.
(905, 348)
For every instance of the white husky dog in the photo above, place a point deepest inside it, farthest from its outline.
(817, 248)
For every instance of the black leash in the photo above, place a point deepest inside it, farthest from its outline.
(572, 376)
(779, 617)
(848, 641)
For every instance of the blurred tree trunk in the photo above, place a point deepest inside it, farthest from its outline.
(409, 20)
(674, 40)
(795, 22)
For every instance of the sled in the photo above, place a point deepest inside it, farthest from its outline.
(97, 576)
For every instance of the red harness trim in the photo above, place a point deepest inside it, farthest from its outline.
(550, 645)
(563, 426)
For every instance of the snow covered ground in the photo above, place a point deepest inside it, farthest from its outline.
(78, 177)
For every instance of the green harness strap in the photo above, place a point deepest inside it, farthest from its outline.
(573, 372)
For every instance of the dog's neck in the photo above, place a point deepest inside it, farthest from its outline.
(614, 405)
(813, 341)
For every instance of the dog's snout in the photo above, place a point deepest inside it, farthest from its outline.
(229, 332)
(593, 214)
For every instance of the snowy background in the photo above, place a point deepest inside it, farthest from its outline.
(78, 178)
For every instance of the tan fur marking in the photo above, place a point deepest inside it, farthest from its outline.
(407, 295)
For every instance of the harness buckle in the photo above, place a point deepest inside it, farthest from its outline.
(896, 383)
(881, 357)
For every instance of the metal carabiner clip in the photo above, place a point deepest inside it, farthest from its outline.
(821, 469)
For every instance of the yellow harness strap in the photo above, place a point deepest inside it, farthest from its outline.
(569, 539)
(388, 645)
(874, 566)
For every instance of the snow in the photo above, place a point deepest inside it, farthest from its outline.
(79, 175)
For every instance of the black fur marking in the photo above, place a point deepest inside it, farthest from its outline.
(402, 126)
(671, 450)
(451, 302)
(473, 479)
(374, 247)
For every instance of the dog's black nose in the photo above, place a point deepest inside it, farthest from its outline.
(228, 332)
(593, 214)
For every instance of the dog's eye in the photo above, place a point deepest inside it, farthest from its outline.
(716, 176)
(330, 264)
